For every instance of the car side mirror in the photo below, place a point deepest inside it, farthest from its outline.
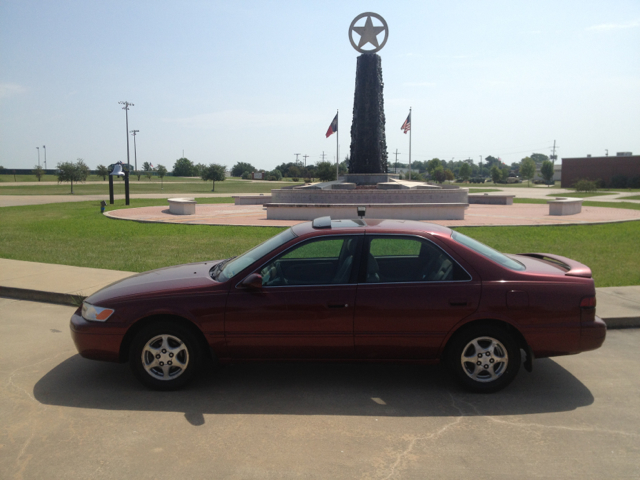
(253, 281)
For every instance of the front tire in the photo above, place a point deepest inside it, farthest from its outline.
(484, 359)
(165, 356)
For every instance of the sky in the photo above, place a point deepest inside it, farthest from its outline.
(259, 81)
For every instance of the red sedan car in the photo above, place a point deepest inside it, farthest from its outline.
(348, 290)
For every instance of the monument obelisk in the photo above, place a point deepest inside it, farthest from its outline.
(368, 140)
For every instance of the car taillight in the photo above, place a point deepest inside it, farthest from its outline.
(588, 302)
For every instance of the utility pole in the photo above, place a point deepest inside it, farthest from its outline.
(323, 155)
(554, 157)
(126, 111)
(135, 153)
(45, 156)
(38, 148)
(481, 166)
(296, 154)
(305, 160)
(395, 168)
(606, 150)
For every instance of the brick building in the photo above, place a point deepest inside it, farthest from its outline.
(598, 168)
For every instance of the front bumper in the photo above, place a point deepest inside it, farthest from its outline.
(92, 341)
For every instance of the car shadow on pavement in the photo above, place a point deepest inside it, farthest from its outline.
(401, 390)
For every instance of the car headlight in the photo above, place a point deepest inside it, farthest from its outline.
(95, 314)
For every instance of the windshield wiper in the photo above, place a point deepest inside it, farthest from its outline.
(215, 271)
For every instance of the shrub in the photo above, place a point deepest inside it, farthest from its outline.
(633, 182)
(274, 175)
(619, 181)
(246, 175)
(295, 179)
(585, 185)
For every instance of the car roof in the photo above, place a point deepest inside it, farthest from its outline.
(326, 226)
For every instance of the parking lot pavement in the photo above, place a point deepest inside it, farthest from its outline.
(66, 417)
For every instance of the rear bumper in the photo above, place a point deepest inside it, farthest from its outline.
(92, 344)
(592, 334)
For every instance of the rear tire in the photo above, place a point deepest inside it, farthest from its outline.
(165, 356)
(484, 359)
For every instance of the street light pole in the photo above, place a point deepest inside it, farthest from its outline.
(38, 148)
(135, 153)
(44, 147)
(126, 110)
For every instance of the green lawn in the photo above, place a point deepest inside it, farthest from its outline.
(634, 197)
(154, 186)
(610, 250)
(483, 190)
(6, 178)
(77, 234)
(523, 185)
(581, 194)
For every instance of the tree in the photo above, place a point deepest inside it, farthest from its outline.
(241, 167)
(214, 173)
(146, 166)
(546, 170)
(198, 169)
(465, 171)
(102, 171)
(183, 168)
(294, 172)
(527, 169)
(432, 165)
(326, 171)
(72, 172)
(448, 174)
(148, 174)
(496, 174)
(38, 172)
(539, 158)
(438, 174)
(137, 173)
(161, 171)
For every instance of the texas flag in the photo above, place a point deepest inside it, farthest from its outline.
(333, 128)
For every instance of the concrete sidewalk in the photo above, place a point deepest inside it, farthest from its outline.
(619, 307)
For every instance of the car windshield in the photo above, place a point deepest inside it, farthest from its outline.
(235, 265)
(488, 252)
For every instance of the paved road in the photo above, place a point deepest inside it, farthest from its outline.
(66, 417)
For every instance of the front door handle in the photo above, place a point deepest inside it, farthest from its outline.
(338, 305)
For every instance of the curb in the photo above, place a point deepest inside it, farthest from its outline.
(40, 296)
(76, 301)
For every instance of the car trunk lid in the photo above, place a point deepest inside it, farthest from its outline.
(570, 267)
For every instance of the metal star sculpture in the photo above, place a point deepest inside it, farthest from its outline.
(368, 33)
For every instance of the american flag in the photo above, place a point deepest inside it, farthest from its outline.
(406, 126)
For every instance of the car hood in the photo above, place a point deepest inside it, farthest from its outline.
(164, 280)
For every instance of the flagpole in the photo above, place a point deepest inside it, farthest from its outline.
(337, 147)
(410, 129)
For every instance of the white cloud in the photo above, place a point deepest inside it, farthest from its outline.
(10, 89)
(241, 119)
(614, 26)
